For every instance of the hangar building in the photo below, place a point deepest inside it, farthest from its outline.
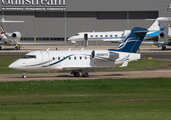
(56, 20)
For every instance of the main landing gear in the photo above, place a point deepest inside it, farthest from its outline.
(76, 45)
(77, 74)
(17, 47)
(163, 47)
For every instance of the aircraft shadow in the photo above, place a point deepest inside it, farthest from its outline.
(114, 75)
(8, 49)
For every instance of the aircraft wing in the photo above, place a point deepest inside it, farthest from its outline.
(157, 43)
(39, 43)
(88, 68)
(153, 42)
(112, 40)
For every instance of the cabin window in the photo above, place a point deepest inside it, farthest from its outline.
(116, 35)
(101, 35)
(91, 35)
(85, 57)
(80, 58)
(69, 58)
(75, 58)
(105, 35)
(53, 58)
(77, 34)
(63, 57)
(111, 35)
(58, 58)
(96, 35)
(29, 56)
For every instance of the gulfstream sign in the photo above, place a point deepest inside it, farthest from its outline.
(34, 2)
(33, 5)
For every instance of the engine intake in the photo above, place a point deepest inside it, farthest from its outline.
(16, 35)
(162, 35)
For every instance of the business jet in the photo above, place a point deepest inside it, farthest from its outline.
(83, 60)
(155, 30)
(164, 36)
(9, 39)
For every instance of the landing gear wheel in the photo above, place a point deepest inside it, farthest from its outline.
(0, 47)
(76, 74)
(163, 47)
(24, 75)
(85, 75)
(76, 45)
(16, 48)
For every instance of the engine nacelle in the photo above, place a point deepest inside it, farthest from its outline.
(162, 35)
(16, 35)
(103, 55)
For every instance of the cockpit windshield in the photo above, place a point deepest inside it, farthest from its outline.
(77, 34)
(29, 56)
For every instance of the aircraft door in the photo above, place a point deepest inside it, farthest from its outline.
(85, 40)
(45, 58)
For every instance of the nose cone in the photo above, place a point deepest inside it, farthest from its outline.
(12, 66)
(15, 65)
(72, 39)
(69, 39)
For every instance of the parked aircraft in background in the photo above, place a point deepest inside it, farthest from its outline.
(164, 36)
(10, 39)
(117, 36)
(83, 60)
(13, 39)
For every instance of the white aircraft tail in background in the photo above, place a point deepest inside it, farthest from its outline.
(163, 22)
(83, 60)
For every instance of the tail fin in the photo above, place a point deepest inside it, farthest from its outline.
(159, 23)
(132, 42)
(163, 21)
(155, 26)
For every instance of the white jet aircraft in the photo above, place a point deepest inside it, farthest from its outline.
(155, 30)
(83, 60)
(9, 39)
(163, 35)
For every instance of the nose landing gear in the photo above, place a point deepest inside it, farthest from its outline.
(24, 75)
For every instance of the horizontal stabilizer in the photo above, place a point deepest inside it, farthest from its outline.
(9, 21)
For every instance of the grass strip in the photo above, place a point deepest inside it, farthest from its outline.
(101, 99)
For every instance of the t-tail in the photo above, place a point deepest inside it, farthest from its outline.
(159, 24)
(133, 41)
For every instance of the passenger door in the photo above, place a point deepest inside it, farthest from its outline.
(45, 58)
